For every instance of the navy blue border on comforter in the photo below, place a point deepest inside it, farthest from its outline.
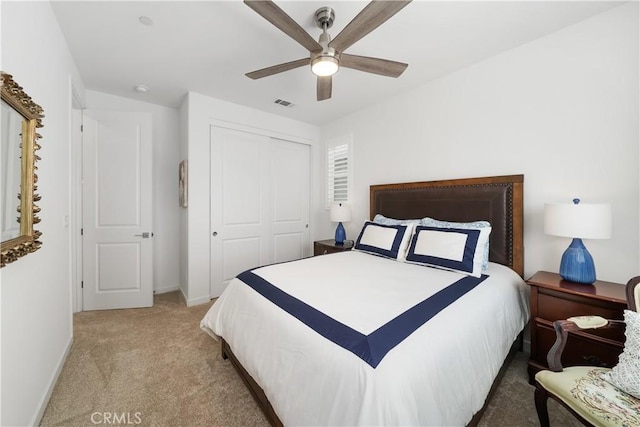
(370, 348)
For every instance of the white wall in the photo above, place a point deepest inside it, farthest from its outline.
(36, 290)
(563, 110)
(165, 158)
(197, 115)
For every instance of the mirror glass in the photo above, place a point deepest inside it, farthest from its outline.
(21, 117)
(11, 142)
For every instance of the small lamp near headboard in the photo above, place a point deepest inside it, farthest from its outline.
(578, 221)
(340, 213)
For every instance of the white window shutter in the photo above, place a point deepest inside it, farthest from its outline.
(339, 171)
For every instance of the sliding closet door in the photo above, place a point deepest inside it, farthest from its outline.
(259, 202)
(239, 204)
(289, 200)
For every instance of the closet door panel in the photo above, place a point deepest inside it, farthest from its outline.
(239, 204)
(288, 247)
(239, 255)
(241, 180)
(289, 200)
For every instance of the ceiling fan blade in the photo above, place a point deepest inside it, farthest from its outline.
(324, 88)
(383, 67)
(272, 13)
(275, 69)
(371, 17)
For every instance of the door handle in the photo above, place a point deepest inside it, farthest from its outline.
(144, 235)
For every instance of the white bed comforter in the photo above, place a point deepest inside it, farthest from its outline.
(439, 375)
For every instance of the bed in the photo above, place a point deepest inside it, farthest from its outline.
(355, 338)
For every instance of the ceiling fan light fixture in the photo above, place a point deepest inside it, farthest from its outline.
(327, 54)
(324, 65)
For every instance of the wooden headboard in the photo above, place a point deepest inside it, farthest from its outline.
(497, 199)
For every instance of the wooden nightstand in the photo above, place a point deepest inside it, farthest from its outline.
(553, 298)
(323, 247)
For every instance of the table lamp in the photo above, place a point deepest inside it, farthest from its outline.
(340, 213)
(578, 221)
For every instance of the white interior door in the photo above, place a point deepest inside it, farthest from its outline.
(117, 233)
(289, 200)
(259, 203)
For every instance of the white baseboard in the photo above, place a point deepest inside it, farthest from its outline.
(52, 384)
(198, 301)
(195, 301)
(166, 289)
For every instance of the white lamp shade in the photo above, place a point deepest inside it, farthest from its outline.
(582, 220)
(340, 213)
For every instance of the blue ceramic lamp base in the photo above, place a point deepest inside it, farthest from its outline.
(340, 234)
(577, 264)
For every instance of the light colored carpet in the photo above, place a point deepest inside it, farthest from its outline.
(155, 367)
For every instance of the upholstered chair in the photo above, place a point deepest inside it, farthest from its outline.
(596, 396)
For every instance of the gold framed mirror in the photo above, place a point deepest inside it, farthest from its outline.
(20, 119)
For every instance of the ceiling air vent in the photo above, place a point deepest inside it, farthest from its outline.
(283, 103)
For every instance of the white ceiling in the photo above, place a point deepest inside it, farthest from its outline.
(208, 46)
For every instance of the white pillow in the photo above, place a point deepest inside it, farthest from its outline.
(389, 241)
(381, 219)
(455, 249)
(626, 374)
(430, 222)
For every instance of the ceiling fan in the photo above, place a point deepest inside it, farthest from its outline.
(327, 55)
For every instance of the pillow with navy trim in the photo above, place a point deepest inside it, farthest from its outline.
(381, 219)
(431, 222)
(389, 241)
(454, 249)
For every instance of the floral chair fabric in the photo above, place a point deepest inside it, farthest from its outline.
(583, 389)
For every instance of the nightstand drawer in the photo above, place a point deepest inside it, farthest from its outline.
(324, 247)
(555, 299)
(581, 349)
(559, 306)
(323, 250)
